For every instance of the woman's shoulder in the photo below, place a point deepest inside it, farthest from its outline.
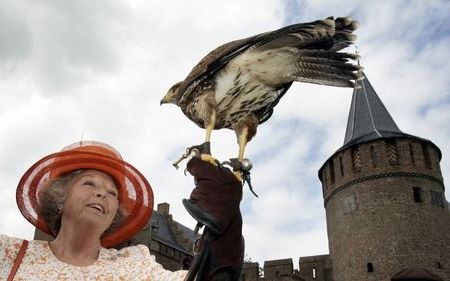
(7, 240)
(9, 246)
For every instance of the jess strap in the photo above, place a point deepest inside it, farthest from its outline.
(18, 260)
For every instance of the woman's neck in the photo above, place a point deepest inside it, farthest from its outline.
(76, 247)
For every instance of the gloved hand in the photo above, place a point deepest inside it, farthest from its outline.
(214, 202)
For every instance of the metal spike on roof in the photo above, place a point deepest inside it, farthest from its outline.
(368, 118)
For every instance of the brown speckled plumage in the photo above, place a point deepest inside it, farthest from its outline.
(242, 81)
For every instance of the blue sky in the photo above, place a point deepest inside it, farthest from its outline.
(98, 70)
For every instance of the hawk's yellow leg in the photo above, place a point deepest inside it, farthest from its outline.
(209, 128)
(242, 141)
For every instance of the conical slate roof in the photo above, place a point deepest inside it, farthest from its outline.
(368, 119)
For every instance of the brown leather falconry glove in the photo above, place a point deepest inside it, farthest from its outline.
(214, 203)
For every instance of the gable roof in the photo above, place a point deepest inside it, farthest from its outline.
(163, 232)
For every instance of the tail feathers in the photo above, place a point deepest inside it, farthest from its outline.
(347, 70)
(345, 23)
(332, 65)
(325, 68)
(327, 79)
(343, 36)
(331, 58)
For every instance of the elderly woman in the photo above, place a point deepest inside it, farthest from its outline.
(89, 199)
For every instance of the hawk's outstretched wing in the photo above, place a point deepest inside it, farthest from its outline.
(317, 35)
(237, 85)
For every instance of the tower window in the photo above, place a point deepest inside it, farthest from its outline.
(324, 176)
(411, 154)
(369, 267)
(426, 156)
(332, 178)
(349, 204)
(342, 166)
(314, 273)
(417, 191)
(373, 155)
(437, 199)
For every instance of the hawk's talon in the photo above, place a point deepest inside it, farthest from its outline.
(242, 165)
(209, 158)
(190, 151)
(238, 175)
(248, 180)
(241, 169)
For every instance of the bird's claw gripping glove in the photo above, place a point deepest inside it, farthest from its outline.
(214, 203)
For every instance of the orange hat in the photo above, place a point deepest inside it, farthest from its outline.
(135, 193)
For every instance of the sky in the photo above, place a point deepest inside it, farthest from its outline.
(96, 70)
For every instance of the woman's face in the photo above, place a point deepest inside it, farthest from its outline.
(92, 200)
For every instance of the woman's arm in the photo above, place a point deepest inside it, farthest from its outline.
(214, 203)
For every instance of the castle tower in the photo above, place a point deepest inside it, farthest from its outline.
(384, 198)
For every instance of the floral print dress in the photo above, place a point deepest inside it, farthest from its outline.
(39, 263)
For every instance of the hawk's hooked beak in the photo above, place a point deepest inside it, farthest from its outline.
(167, 99)
(171, 96)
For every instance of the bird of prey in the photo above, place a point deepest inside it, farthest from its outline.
(237, 85)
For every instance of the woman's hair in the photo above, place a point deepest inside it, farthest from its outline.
(51, 198)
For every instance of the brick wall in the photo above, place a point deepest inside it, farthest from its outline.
(386, 210)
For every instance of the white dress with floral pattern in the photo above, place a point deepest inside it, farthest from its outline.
(39, 263)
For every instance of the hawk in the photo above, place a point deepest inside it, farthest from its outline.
(237, 85)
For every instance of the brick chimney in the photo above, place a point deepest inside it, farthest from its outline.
(163, 209)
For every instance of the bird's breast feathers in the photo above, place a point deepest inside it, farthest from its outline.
(238, 92)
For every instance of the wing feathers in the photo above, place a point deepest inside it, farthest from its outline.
(323, 34)
(318, 37)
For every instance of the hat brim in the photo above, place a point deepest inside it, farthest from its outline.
(135, 193)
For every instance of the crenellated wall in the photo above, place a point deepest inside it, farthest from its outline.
(384, 158)
(316, 268)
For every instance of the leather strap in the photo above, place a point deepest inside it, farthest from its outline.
(18, 260)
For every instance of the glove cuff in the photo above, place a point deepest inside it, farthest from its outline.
(202, 216)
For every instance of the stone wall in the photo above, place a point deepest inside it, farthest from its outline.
(250, 271)
(386, 210)
(316, 268)
(275, 268)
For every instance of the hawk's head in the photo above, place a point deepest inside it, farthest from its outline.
(173, 95)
